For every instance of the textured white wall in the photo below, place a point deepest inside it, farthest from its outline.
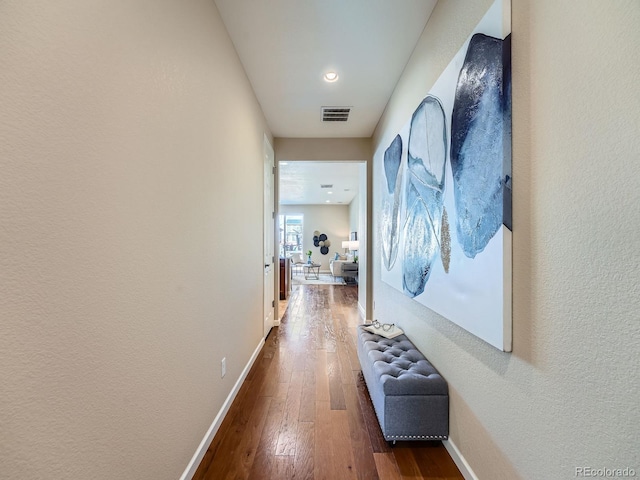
(332, 220)
(130, 234)
(323, 149)
(364, 223)
(354, 214)
(567, 396)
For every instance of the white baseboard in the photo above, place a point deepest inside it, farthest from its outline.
(459, 460)
(213, 429)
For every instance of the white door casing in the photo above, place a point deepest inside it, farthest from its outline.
(268, 234)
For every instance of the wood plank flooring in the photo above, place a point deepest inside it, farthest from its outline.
(304, 412)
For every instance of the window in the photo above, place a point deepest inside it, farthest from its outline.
(290, 234)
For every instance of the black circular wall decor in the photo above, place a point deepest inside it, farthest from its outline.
(320, 240)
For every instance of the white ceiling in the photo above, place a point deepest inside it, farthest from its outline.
(286, 46)
(300, 183)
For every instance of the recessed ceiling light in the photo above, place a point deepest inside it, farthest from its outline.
(328, 201)
(329, 193)
(330, 77)
(284, 163)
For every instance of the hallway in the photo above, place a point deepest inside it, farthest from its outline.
(304, 412)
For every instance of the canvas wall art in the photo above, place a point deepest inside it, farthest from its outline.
(445, 189)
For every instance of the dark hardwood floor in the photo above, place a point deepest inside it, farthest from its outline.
(304, 411)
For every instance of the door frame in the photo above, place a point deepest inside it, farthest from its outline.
(269, 313)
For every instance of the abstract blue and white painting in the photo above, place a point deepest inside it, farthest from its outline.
(445, 189)
(391, 202)
(426, 156)
(481, 167)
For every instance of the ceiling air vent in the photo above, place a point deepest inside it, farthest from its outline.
(326, 185)
(335, 114)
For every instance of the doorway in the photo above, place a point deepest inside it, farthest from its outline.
(332, 197)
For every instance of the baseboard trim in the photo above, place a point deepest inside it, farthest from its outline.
(213, 429)
(459, 460)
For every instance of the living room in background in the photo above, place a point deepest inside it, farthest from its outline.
(291, 234)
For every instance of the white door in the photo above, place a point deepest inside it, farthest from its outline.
(269, 252)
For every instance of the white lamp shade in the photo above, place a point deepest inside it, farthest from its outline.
(354, 245)
(345, 243)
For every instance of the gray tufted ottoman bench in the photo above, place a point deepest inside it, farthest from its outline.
(409, 396)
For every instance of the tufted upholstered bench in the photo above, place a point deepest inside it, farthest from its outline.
(409, 396)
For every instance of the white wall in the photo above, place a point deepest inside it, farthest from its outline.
(358, 223)
(323, 149)
(354, 214)
(130, 202)
(567, 396)
(332, 220)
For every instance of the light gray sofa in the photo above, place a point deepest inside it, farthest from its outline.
(343, 268)
(410, 398)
